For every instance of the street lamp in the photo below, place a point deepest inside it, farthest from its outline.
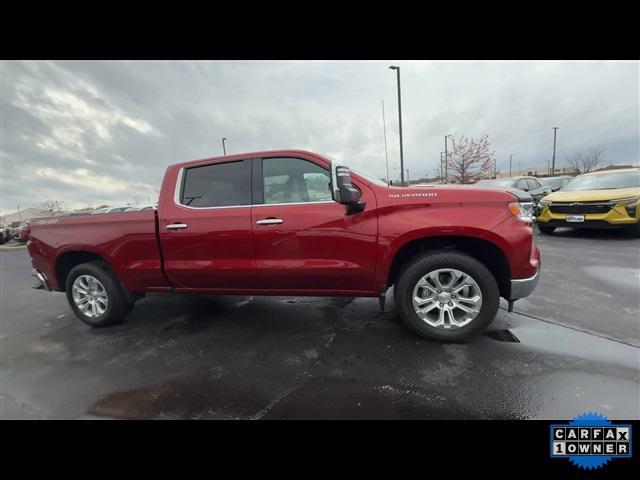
(407, 170)
(386, 152)
(446, 158)
(397, 69)
(224, 150)
(553, 162)
(510, 160)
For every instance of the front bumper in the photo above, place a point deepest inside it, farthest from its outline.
(524, 287)
(614, 217)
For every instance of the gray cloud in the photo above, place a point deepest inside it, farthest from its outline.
(103, 132)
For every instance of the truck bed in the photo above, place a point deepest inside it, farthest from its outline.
(126, 240)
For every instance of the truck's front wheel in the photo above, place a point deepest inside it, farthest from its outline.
(447, 296)
(94, 294)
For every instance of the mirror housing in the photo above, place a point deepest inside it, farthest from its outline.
(343, 191)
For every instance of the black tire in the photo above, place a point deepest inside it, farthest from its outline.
(421, 265)
(117, 306)
(545, 230)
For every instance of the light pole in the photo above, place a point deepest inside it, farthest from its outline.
(386, 152)
(494, 168)
(397, 69)
(510, 160)
(224, 149)
(396, 168)
(553, 162)
(446, 158)
(441, 167)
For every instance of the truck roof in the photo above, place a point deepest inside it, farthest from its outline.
(270, 153)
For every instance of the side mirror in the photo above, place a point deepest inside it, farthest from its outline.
(343, 191)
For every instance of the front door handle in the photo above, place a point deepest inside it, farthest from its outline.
(176, 226)
(270, 221)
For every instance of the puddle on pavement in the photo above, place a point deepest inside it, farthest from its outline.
(326, 398)
(571, 392)
(180, 398)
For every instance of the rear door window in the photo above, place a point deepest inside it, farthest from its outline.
(217, 185)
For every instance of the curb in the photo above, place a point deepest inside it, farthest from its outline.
(4, 248)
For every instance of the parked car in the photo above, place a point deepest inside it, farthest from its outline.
(23, 232)
(4, 234)
(297, 223)
(109, 210)
(530, 185)
(80, 212)
(116, 209)
(138, 208)
(13, 228)
(605, 199)
(556, 183)
(98, 211)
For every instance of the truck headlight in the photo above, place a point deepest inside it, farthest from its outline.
(523, 211)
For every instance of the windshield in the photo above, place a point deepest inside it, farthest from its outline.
(367, 176)
(605, 181)
(552, 182)
(496, 183)
(370, 177)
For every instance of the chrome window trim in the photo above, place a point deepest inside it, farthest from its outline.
(291, 203)
(176, 199)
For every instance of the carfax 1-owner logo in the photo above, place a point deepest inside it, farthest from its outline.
(590, 440)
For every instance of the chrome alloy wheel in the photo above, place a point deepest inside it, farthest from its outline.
(90, 296)
(447, 299)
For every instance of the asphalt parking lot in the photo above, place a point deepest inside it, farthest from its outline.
(573, 346)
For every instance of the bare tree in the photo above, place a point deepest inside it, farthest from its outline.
(586, 162)
(471, 159)
(53, 207)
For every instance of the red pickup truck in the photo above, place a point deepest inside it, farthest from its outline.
(297, 223)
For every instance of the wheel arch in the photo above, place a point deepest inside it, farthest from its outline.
(69, 259)
(485, 251)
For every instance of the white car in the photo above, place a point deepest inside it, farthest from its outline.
(139, 208)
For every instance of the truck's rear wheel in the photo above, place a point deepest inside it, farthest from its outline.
(95, 296)
(447, 296)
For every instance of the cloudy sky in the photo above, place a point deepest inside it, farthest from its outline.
(88, 133)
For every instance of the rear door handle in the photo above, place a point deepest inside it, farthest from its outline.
(270, 221)
(176, 226)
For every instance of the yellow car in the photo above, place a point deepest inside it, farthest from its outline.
(604, 199)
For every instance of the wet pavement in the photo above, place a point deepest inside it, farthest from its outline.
(570, 348)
